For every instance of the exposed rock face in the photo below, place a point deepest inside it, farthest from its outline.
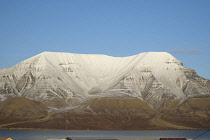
(147, 87)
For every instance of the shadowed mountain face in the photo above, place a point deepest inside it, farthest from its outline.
(77, 91)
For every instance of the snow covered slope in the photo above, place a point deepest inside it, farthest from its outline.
(67, 79)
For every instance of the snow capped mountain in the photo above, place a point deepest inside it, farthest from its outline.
(66, 79)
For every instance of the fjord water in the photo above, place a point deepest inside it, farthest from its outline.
(120, 135)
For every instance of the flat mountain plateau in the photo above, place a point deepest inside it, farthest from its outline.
(97, 92)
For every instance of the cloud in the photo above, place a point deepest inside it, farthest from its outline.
(187, 51)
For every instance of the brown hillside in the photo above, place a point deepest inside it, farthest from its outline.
(21, 109)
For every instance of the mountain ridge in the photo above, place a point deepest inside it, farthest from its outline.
(77, 83)
(88, 75)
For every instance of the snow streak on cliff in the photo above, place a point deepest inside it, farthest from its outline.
(67, 79)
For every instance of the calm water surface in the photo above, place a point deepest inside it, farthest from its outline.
(121, 135)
